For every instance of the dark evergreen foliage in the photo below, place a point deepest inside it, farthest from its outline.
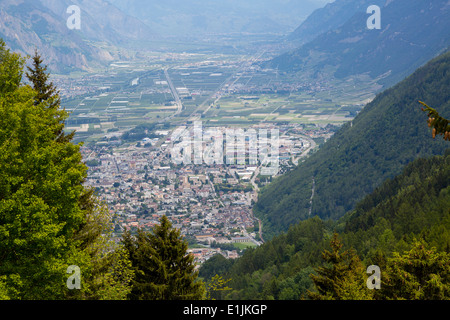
(38, 76)
(413, 206)
(48, 219)
(412, 32)
(163, 268)
(47, 94)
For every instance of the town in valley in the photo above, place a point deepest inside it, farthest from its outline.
(127, 122)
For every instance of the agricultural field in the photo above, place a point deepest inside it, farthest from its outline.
(220, 90)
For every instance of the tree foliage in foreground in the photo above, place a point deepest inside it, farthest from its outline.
(421, 273)
(342, 278)
(163, 268)
(48, 219)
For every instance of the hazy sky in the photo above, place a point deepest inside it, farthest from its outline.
(197, 16)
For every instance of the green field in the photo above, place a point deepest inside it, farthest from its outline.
(244, 245)
(215, 91)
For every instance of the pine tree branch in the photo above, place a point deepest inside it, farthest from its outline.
(439, 124)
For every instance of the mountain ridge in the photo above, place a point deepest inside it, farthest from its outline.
(199, 17)
(411, 34)
(28, 25)
(330, 17)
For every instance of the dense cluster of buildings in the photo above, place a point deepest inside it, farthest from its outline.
(210, 204)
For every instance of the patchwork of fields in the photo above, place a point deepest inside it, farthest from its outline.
(221, 92)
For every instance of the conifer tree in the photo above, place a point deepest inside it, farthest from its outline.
(163, 268)
(47, 94)
(39, 78)
(342, 278)
(421, 273)
(40, 185)
(48, 219)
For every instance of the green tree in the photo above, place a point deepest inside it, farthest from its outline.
(48, 219)
(11, 69)
(47, 94)
(216, 264)
(419, 274)
(45, 90)
(342, 278)
(40, 185)
(111, 274)
(163, 268)
(106, 270)
(217, 287)
(4, 295)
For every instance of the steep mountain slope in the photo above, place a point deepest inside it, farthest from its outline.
(102, 21)
(330, 17)
(412, 32)
(29, 24)
(194, 18)
(386, 135)
(415, 204)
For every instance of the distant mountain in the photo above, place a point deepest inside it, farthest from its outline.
(412, 32)
(102, 21)
(331, 16)
(388, 133)
(42, 24)
(195, 18)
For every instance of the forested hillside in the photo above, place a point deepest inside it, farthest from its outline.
(406, 215)
(394, 51)
(387, 134)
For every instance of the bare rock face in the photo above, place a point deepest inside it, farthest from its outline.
(27, 25)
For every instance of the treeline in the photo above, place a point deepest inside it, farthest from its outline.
(227, 187)
(403, 227)
(387, 134)
(145, 130)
